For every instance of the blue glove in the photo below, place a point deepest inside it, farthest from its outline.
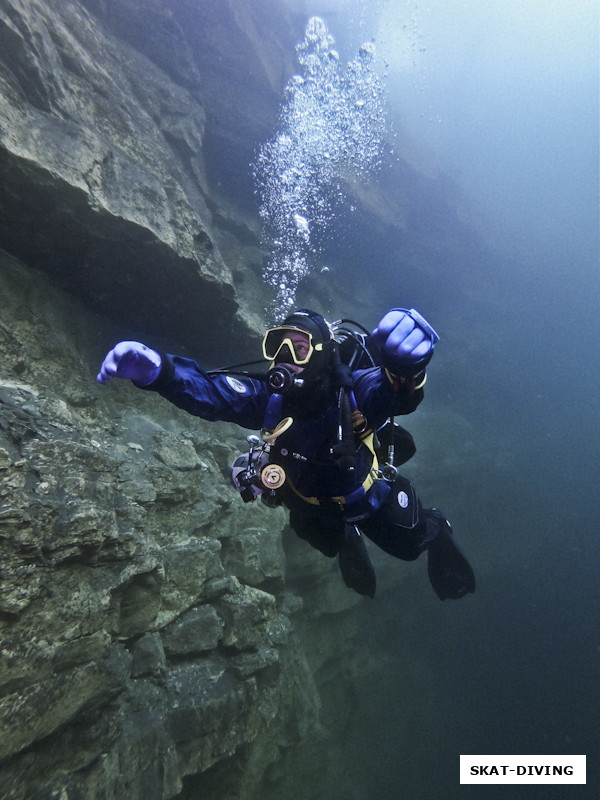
(407, 341)
(131, 360)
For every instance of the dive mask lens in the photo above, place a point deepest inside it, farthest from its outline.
(276, 339)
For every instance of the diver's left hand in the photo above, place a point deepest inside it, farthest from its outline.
(407, 341)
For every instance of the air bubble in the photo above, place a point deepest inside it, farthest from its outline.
(332, 125)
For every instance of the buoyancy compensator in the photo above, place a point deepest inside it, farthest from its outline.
(394, 445)
(251, 473)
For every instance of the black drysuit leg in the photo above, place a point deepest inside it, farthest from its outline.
(324, 528)
(404, 529)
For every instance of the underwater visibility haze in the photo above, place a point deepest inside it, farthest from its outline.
(440, 155)
(496, 103)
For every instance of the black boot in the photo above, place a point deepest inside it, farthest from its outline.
(355, 563)
(450, 573)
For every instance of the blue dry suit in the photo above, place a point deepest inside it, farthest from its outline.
(304, 451)
(319, 457)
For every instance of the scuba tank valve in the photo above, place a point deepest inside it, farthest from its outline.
(253, 441)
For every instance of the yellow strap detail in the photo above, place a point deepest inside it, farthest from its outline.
(369, 443)
(314, 500)
(372, 475)
(423, 382)
(270, 436)
(400, 380)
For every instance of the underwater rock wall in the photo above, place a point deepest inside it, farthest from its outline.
(147, 634)
(147, 628)
(103, 155)
(159, 638)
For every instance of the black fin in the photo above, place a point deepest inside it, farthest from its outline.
(450, 573)
(355, 563)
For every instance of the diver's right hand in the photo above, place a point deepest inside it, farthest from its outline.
(131, 360)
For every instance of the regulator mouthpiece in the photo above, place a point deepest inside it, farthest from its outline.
(281, 379)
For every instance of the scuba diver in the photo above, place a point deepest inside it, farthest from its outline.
(325, 410)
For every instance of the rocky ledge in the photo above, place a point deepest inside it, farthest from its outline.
(159, 638)
(147, 623)
(105, 112)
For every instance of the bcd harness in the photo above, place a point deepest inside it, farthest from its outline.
(343, 450)
(253, 473)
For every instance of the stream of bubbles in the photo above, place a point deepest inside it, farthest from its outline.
(331, 130)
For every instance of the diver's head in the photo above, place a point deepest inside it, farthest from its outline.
(301, 345)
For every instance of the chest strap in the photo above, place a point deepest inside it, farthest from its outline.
(368, 440)
(273, 425)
